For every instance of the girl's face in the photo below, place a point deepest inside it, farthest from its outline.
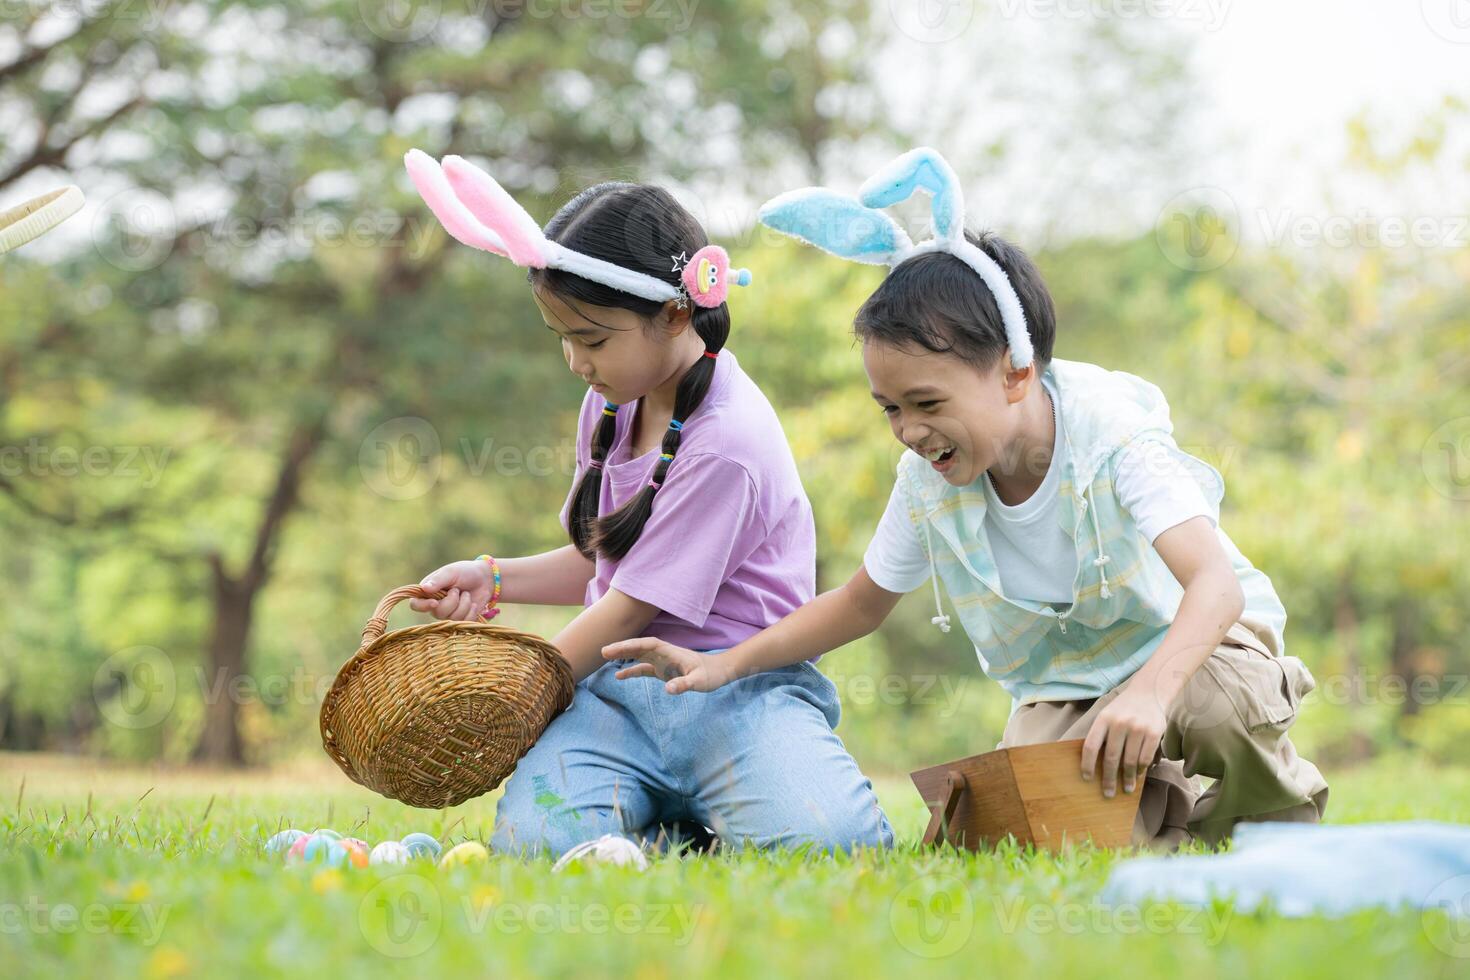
(941, 406)
(613, 350)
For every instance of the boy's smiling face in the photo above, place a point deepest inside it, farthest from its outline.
(957, 416)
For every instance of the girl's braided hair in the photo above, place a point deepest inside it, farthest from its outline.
(640, 227)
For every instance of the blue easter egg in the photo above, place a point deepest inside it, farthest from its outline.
(324, 850)
(281, 843)
(422, 845)
(336, 855)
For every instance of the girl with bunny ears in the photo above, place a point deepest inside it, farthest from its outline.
(1079, 544)
(687, 521)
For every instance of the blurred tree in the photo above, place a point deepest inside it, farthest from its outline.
(267, 264)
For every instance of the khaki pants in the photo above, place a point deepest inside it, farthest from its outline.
(1229, 724)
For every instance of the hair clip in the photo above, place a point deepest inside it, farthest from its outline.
(707, 277)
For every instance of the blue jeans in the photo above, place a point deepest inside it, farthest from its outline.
(756, 761)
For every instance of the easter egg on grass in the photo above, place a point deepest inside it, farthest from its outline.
(422, 845)
(297, 851)
(324, 850)
(469, 852)
(326, 832)
(389, 852)
(357, 852)
(281, 843)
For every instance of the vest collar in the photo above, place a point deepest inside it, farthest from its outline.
(1100, 411)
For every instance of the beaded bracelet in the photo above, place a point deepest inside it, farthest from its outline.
(491, 610)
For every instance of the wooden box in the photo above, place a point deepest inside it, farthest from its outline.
(1034, 792)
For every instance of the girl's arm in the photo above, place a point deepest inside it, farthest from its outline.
(555, 578)
(832, 619)
(614, 617)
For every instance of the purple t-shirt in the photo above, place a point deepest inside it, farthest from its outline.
(730, 547)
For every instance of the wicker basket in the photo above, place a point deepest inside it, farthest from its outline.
(439, 713)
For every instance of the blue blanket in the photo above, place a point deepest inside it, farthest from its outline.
(1303, 869)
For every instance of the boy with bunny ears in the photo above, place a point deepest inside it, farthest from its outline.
(1079, 544)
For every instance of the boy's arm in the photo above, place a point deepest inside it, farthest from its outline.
(1127, 732)
(844, 614)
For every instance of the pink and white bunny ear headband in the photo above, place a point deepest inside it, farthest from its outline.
(475, 209)
(854, 228)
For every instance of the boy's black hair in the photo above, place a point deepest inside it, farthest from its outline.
(936, 302)
(638, 227)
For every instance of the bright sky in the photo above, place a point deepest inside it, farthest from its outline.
(1300, 67)
(1289, 73)
(1278, 82)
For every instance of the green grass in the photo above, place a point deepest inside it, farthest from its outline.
(167, 876)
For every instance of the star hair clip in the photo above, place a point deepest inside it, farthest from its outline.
(706, 277)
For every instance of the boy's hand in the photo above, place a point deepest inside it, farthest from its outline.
(469, 584)
(1126, 733)
(681, 669)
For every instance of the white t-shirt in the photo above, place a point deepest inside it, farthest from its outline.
(1034, 555)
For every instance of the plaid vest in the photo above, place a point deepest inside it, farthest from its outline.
(1124, 596)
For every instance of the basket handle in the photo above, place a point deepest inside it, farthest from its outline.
(375, 626)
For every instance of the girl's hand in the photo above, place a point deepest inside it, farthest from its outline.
(681, 669)
(469, 584)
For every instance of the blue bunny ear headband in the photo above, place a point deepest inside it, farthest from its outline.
(855, 229)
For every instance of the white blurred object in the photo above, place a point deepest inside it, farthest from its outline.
(37, 216)
(607, 849)
(389, 852)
